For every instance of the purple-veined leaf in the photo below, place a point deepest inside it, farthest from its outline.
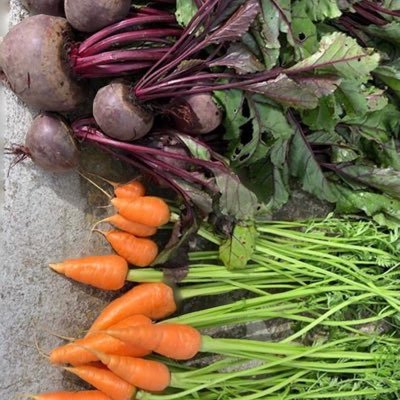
(237, 24)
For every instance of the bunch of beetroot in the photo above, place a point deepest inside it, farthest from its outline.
(51, 64)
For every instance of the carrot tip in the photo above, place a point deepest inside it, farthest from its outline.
(57, 267)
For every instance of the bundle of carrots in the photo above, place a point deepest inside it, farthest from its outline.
(131, 351)
(137, 219)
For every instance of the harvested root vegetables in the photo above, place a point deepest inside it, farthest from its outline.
(176, 341)
(144, 374)
(154, 300)
(41, 61)
(134, 228)
(118, 116)
(32, 56)
(83, 395)
(147, 210)
(80, 13)
(49, 144)
(140, 252)
(75, 353)
(105, 381)
(48, 7)
(196, 114)
(104, 272)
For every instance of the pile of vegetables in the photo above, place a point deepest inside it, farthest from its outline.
(232, 104)
(305, 93)
(343, 321)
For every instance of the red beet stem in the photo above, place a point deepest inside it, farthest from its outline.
(127, 23)
(369, 16)
(148, 35)
(94, 135)
(119, 56)
(108, 70)
(377, 7)
(189, 31)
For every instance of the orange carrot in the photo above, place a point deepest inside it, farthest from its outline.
(134, 228)
(154, 300)
(104, 272)
(83, 395)
(147, 210)
(144, 374)
(140, 252)
(177, 341)
(105, 381)
(75, 354)
(130, 190)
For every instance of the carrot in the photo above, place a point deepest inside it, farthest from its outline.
(83, 395)
(154, 300)
(177, 341)
(134, 228)
(104, 272)
(144, 374)
(105, 381)
(147, 210)
(130, 190)
(140, 252)
(75, 354)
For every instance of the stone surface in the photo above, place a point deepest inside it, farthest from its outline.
(44, 218)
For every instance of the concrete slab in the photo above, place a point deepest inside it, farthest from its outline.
(44, 217)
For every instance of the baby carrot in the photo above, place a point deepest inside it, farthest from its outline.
(130, 190)
(140, 252)
(132, 227)
(144, 374)
(73, 353)
(83, 395)
(154, 300)
(147, 210)
(104, 272)
(105, 381)
(177, 341)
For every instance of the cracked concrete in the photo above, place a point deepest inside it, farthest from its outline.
(44, 217)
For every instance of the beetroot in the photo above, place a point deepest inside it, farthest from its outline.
(48, 7)
(43, 63)
(92, 15)
(33, 58)
(196, 114)
(117, 115)
(50, 145)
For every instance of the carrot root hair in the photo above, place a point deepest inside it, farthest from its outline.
(108, 195)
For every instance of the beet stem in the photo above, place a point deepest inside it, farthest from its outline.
(369, 16)
(189, 31)
(94, 135)
(127, 23)
(108, 70)
(379, 8)
(119, 56)
(147, 35)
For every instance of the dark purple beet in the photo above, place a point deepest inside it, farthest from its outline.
(118, 116)
(48, 7)
(196, 114)
(34, 60)
(50, 145)
(92, 15)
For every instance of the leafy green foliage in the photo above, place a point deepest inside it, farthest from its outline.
(237, 250)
